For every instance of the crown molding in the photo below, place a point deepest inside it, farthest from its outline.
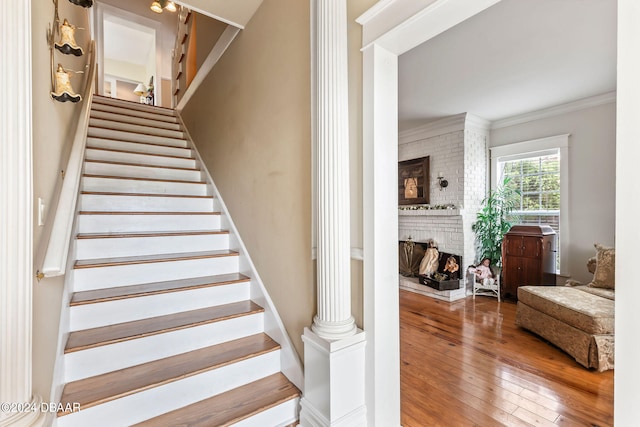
(459, 122)
(581, 104)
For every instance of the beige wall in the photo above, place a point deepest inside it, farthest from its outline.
(52, 135)
(250, 120)
(592, 172)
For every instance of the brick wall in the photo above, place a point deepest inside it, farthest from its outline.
(460, 154)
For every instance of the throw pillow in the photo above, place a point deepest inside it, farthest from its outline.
(604, 277)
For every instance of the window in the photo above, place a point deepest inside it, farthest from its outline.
(538, 169)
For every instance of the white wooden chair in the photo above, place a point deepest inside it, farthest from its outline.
(492, 290)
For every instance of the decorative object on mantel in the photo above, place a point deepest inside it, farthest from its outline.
(443, 183)
(63, 91)
(83, 3)
(427, 207)
(67, 43)
(491, 222)
(413, 181)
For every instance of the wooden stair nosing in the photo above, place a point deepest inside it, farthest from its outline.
(129, 235)
(137, 113)
(233, 406)
(111, 193)
(134, 178)
(149, 259)
(156, 288)
(141, 152)
(135, 133)
(121, 332)
(124, 382)
(103, 138)
(143, 165)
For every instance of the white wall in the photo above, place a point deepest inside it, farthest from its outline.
(126, 70)
(592, 148)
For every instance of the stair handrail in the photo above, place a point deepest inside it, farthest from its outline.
(55, 257)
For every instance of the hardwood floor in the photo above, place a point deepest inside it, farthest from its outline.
(466, 363)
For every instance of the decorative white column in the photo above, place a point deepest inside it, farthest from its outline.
(16, 215)
(333, 320)
(334, 348)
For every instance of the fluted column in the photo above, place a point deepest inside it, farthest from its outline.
(333, 319)
(16, 214)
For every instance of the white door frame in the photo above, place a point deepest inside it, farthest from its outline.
(104, 10)
(392, 27)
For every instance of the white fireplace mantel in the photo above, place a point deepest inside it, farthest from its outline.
(430, 212)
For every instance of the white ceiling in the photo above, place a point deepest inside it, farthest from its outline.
(515, 57)
(128, 43)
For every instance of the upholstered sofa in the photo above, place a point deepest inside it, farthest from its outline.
(579, 319)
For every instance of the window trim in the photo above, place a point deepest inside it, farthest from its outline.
(539, 147)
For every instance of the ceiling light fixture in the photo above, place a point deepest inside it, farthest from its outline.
(158, 5)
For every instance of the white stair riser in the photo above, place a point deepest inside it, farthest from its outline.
(127, 310)
(136, 246)
(144, 159)
(112, 357)
(96, 202)
(140, 186)
(130, 127)
(143, 223)
(86, 279)
(285, 414)
(103, 115)
(138, 147)
(96, 168)
(134, 137)
(158, 400)
(127, 107)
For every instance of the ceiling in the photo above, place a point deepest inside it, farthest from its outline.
(515, 57)
(128, 43)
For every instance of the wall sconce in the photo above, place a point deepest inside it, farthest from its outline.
(141, 91)
(443, 183)
(158, 5)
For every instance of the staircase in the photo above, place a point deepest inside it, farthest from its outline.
(162, 327)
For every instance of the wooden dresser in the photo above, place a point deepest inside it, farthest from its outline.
(528, 258)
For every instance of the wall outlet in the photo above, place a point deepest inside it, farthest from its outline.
(41, 207)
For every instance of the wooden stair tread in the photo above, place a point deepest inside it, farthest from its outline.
(100, 99)
(136, 133)
(89, 146)
(134, 178)
(123, 382)
(145, 289)
(133, 234)
(146, 259)
(142, 165)
(113, 193)
(104, 138)
(96, 337)
(232, 406)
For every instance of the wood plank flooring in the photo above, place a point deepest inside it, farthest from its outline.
(466, 363)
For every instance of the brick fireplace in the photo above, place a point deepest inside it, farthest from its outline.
(457, 147)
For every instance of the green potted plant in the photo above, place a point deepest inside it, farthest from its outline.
(491, 221)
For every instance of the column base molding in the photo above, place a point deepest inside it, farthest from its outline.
(334, 381)
(334, 330)
(34, 418)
